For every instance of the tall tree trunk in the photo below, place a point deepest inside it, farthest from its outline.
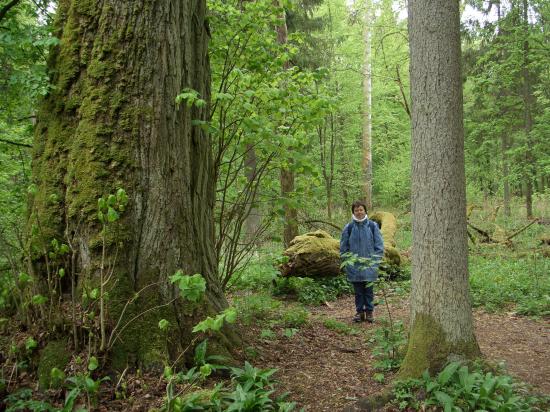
(505, 139)
(367, 111)
(441, 316)
(252, 222)
(506, 172)
(527, 114)
(290, 230)
(111, 121)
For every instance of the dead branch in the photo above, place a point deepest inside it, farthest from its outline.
(517, 232)
(487, 237)
(322, 221)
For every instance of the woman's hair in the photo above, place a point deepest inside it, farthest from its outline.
(358, 203)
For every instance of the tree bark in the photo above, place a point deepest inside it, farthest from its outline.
(367, 111)
(528, 99)
(111, 121)
(441, 317)
(505, 141)
(253, 220)
(290, 230)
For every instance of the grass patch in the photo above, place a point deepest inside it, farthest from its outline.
(500, 282)
(339, 327)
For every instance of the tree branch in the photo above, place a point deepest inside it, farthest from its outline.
(15, 143)
(7, 8)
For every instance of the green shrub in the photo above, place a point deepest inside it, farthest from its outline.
(295, 317)
(22, 401)
(313, 291)
(251, 390)
(256, 275)
(389, 347)
(457, 388)
(256, 307)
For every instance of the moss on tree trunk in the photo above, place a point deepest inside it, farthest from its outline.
(441, 327)
(111, 121)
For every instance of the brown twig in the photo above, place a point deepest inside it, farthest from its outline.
(517, 232)
(322, 221)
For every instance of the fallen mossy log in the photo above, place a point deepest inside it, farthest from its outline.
(317, 254)
(314, 254)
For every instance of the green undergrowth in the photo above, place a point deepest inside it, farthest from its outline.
(340, 327)
(506, 281)
(262, 309)
(313, 291)
(262, 275)
(460, 387)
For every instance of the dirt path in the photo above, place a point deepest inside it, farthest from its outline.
(325, 370)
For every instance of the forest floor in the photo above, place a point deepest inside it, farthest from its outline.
(324, 370)
(328, 363)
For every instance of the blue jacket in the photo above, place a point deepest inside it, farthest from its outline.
(363, 240)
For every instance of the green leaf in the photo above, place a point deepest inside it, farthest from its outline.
(101, 204)
(112, 215)
(61, 272)
(30, 344)
(446, 374)
(32, 189)
(92, 363)
(191, 287)
(39, 300)
(200, 353)
(204, 325)
(24, 279)
(230, 315)
(111, 200)
(445, 400)
(163, 324)
(206, 370)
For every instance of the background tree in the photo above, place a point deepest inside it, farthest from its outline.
(441, 316)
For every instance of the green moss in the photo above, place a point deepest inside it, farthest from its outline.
(54, 355)
(429, 348)
(318, 242)
(85, 7)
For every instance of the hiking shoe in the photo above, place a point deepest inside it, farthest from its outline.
(369, 317)
(359, 317)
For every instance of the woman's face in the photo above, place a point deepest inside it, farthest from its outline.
(359, 212)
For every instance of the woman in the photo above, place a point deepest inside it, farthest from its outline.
(361, 249)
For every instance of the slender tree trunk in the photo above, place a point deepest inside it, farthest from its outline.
(506, 173)
(441, 316)
(367, 111)
(505, 139)
(111, 121)
(290, 230)
(527, 115)
(252, 222)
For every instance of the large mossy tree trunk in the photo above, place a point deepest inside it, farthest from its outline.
(111, 121)
(441, 324)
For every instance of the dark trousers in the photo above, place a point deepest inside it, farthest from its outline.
(364, 296)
